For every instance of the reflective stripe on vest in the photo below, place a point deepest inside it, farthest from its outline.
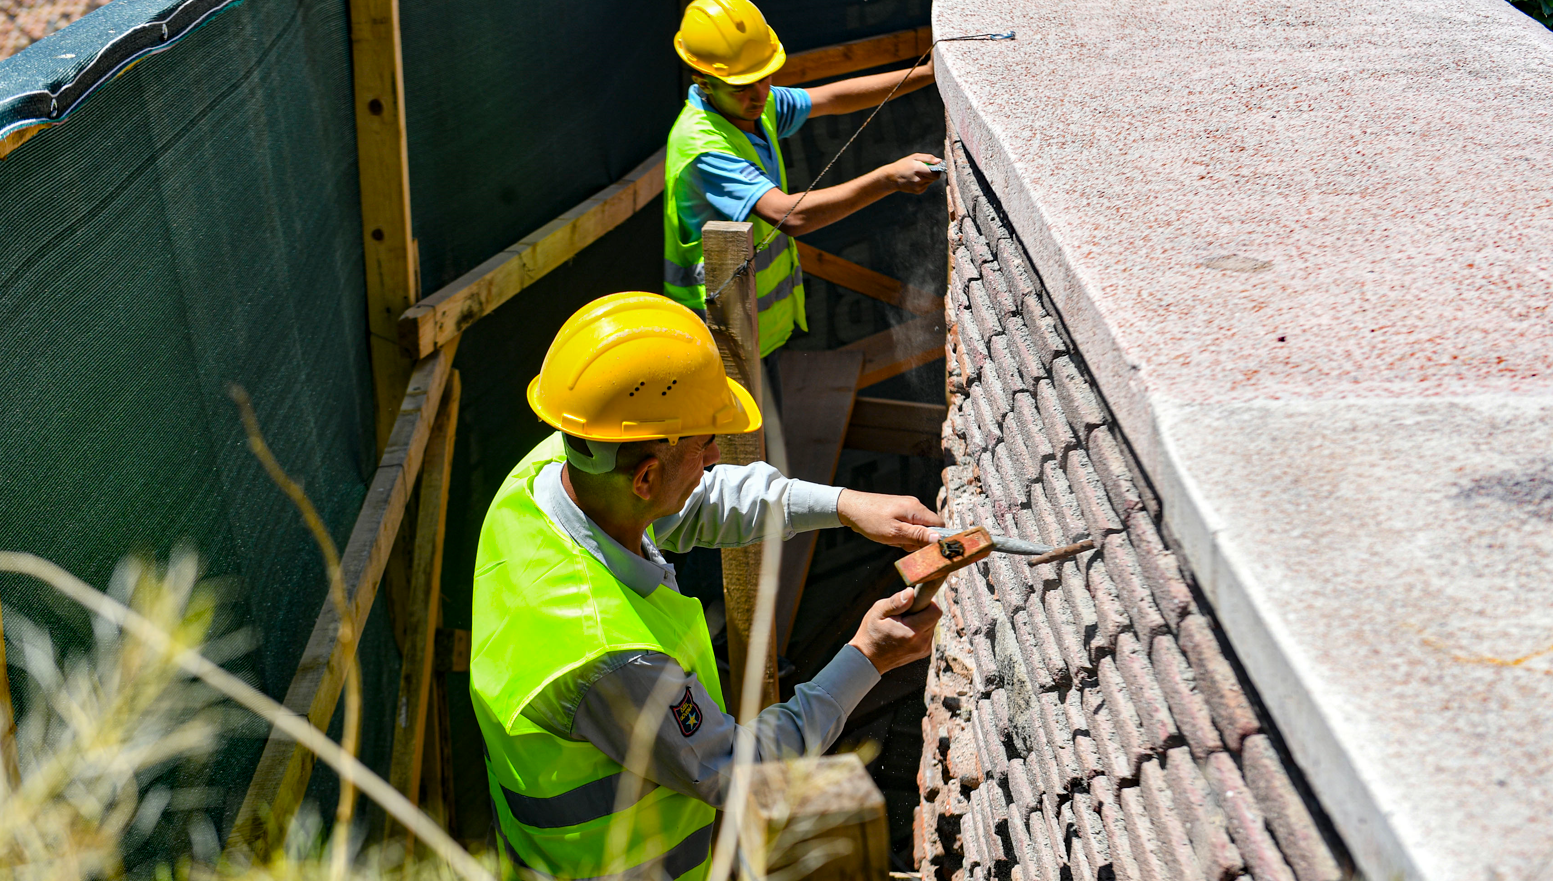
(778, 278)
(543, 607)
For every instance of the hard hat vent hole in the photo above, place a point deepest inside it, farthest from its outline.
(740, 25)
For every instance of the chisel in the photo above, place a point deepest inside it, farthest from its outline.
(927, 568)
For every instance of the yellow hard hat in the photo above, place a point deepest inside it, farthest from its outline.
(729, 39)
(638, 366)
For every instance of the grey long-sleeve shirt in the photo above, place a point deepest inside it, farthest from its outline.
(602, 702)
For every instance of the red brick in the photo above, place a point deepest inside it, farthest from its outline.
(1110, 616)
(976, 238)
(1007, 366)
(1086, 819)
(976, 439)
(1019, 789)
(983, 312)
(1035, 667)
(1031, 430)
(987, 671)
(1059, 739)
(1003, 297)
(1026, 466)
(1078, 398)
(1159, 567)
(982, 412)
(1285, 812)
(1216, 681)
(1064, 504)
(1043, 331)
(1079, 866)
(1246, 824)
(997, 394)
(1117, 837)
(972, 338)
(1122, 566)
(1039, 633)
(1084, 746)
(1186, 705)
(1070, 642)
(1111, 466)
(1082, 606)
(1124, 716)
(1205, 821)
(1045, 575)
(1174, 844)
(1041, 845)
(1142, 841)
(1159, 729)
(994, 756)
(963, 269)
(1013, 586)
(1053, 420)
(1045, 515)
(1026, 356)
(1024, 851)
(964, 766)
(1022, 279)
(1092, 501)
(1041, 763)
(1056, 831)
(1109, 747)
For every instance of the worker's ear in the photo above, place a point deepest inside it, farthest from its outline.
(647, 477)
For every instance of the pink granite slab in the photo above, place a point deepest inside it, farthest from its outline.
(1307, 250)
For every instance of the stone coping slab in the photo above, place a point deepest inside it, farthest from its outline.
(1306, 249)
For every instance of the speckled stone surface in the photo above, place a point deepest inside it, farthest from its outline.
(1306, 249)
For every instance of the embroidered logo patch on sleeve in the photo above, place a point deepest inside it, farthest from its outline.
(687, 715)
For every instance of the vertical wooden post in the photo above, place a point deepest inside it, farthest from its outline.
(733, 320)
(423, 602)
(383, 163)
(8, 757)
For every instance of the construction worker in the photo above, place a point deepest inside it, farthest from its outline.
(724, 162)
(608, 742)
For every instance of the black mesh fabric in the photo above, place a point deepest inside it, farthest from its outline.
(195, 224)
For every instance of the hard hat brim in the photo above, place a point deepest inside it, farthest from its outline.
(748, 419)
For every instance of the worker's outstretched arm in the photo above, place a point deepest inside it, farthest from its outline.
(729, 507)
(861, 92)
(827, 205)
(647, 713)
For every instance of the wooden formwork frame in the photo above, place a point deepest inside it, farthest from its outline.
(413, 344)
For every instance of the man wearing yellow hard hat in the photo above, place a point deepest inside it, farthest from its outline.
(608, 745)
(724, 162)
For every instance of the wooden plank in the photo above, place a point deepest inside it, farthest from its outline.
(445, 314)
(728, 246)
(794, 809)
(424, 602)
(383, 165)
(279, 782)
(902, 347)
(817, 393)
(844, 58)
(854, 277)
(8, 755)
(905, 428)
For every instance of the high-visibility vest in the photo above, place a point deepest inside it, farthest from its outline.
(778, 277)
(544, 606)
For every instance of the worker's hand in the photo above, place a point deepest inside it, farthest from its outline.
(900, 521)
(911, 174)
(889, 639)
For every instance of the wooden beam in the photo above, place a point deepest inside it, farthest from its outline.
(424, 602)
(844, 58)
(897, 350)
(906, 428)
(279, 782)
(726, 246)
(445, 314)
(793, 810)
(8, 757)
(383, 163)
(817, 393)
(853, 277)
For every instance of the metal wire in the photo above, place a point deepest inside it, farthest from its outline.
(777, 227)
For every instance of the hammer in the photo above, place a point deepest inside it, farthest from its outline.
(927, 568)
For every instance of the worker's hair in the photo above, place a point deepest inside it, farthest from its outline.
(609, 457)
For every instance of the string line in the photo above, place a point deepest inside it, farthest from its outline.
(777, 228)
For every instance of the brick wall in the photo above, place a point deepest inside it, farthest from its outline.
(1083, 719)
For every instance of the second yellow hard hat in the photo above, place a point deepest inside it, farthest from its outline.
(729, 39)
(638, 366)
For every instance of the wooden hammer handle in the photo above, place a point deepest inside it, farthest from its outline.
(922, 595)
